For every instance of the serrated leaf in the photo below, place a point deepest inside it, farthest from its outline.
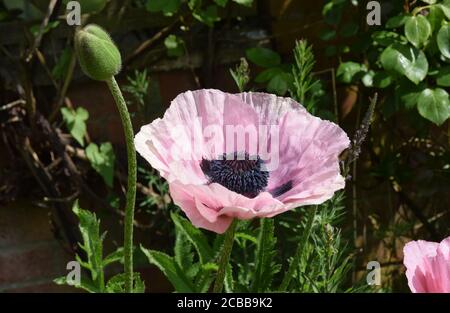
(263, 57)
(184, 255)
(102, 160)
(116, 284)
(264, 258)
(417, 30)
(89, 227)
(170, 269)
(443, 40)
(434, 105)
(116, 256)
(84, 284)
(195, 236)
(76, 122)
(405, 60)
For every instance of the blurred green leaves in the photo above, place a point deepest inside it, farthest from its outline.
(102, 160)
(75, 121)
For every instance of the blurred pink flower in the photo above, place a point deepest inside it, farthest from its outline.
(242, 155)
(428, 266)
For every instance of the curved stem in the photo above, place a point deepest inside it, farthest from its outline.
(225, 257)
(131, 189)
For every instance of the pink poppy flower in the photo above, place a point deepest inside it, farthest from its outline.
(428, 266)
(242, 156)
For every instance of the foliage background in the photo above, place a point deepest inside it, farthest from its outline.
(61, 139)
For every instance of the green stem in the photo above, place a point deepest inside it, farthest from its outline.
(303, 241)
(225, 257)
(131, 191)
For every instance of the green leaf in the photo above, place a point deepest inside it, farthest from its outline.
(443, 40)
(268, 74)
(407, 93)
(84, 284)
(429, 1)
(207, 16)
(76, 122)
(417, 30)
(396, 21)
(170, 269)
(174, 46)
(102, 160)
(116, 256)
(35, 29)
(247, 3)
(92, 245)
(61, 66)
(347, 72)
(387, 38)
(263, 57)
(195, 236)
(265, 267)
(184, 255)
(117, 284)
(445, 7)
(221, 3)
(405, 60)
(279, 84)
(376, 79)
(434, 105)
(443, 77)
(435, 17)
(168, 7)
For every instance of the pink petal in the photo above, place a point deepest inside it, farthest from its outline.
(213, 206)
(425, 269)
(194, 127)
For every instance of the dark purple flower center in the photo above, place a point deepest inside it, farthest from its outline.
(237, 172)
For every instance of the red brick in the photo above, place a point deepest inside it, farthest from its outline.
(21, 222)
(45, 260)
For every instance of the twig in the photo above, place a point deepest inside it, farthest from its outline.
(12, 104)
(38, 39)
(149, 42)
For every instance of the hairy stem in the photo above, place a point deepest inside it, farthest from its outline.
(131, 189)
(224, 257)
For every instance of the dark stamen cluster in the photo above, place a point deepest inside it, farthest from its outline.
(237, 172)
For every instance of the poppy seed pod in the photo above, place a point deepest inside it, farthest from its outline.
(97, 54)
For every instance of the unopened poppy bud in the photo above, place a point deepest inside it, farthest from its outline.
(97, 54)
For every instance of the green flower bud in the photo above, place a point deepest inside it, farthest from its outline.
(97, 54)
